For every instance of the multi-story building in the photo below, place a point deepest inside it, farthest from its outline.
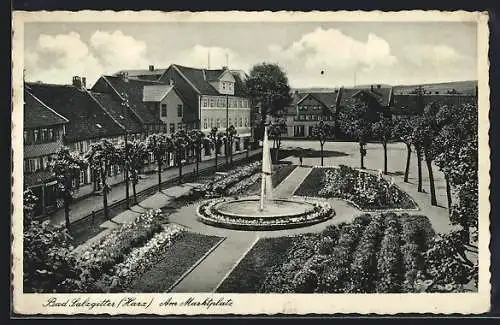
(212, 98)
(89, 120)
(44, 130)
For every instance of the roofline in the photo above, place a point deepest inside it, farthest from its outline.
(106, 111)
(45, 105)
(123, 99)
(306, 95)
(390, 97)
(184, 77)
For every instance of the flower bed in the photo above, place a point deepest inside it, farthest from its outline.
(100, 257)
(364, 190)
(218, 185)
(371, 254)
(139, 260)
(207, 213)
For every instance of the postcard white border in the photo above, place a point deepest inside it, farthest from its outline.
(31, 304)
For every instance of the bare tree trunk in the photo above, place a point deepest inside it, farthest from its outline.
(362, 155)
(419, 168)
(216, 160)
(105, 192)
(135, 193)
(408, 157)
(431, 182)
(180, 169)
(321, 145)
(159, 174)
(198, 156)
(66, 213)
(448, 192)
(127, 191)
(231, 153)
(384, 144)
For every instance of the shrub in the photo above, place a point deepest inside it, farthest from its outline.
(325, 246)
(364, 264)
(47, 261)
(305, 281)
(413, 263)
(335, 270)
(363, 219)
(389, 264)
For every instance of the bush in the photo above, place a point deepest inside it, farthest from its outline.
(325, 245)
(336, 269)
(389, 264)
(364, 264)
(305, 281)
(47, 261)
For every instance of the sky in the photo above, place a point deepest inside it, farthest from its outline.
(313, 54)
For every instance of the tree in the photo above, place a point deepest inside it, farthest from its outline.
(199, 139)
(138, 153)
(102, 156)
(382, 130)
(181, 142)
(216, 140)
(267, 85)
(231, 133)
(402, 130)
(323, 132)
(66, 167)
(275, 130)
(355, 121)
(30, 201)
(159, 145)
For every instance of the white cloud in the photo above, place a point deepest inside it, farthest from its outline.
(323, 49)
(56, 58)
(198, 56)
(437, 56)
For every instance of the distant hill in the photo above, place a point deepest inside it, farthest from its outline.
(464, 87)
(467, 87)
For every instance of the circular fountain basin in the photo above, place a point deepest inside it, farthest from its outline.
(245, 214)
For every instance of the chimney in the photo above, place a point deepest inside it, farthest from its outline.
(371, 87)
(84, 83)
(378, 86)
(151, 68)
(77, 82)
(225, 67)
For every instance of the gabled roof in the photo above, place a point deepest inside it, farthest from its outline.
(130, 91)
(120, 114)
(87, 120)
(346, 95)
(155, 93)
(200, 80)
(382, 95)
(38, 114)
(327, 99)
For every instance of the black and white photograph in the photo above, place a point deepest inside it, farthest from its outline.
(316, 162)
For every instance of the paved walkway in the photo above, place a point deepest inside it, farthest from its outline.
(290, 184)
(207, 276)
(82, 208)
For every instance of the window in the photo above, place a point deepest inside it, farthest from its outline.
(32, 165)
(205, 124)
(45, 162)
(212, 102)
(36, 138)
(240, 121)
(51, 135)
(163, 110)
(179, 110)
(172, 127)
(218, 123)
(25, 136)
(246, 121)
(205, 102)
(211, 122)
(82, 177)
(224, 86)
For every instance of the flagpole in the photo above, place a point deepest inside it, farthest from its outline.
(263, 176)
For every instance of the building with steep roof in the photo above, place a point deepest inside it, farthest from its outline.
(213, 98)
(44, 130)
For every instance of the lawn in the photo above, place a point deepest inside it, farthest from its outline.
(183, 254)
(247, 275)
(365, 190)
(280, 172)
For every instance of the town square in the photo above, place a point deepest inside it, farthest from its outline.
(300, 168)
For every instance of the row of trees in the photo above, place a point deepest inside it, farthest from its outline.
(132, 157)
